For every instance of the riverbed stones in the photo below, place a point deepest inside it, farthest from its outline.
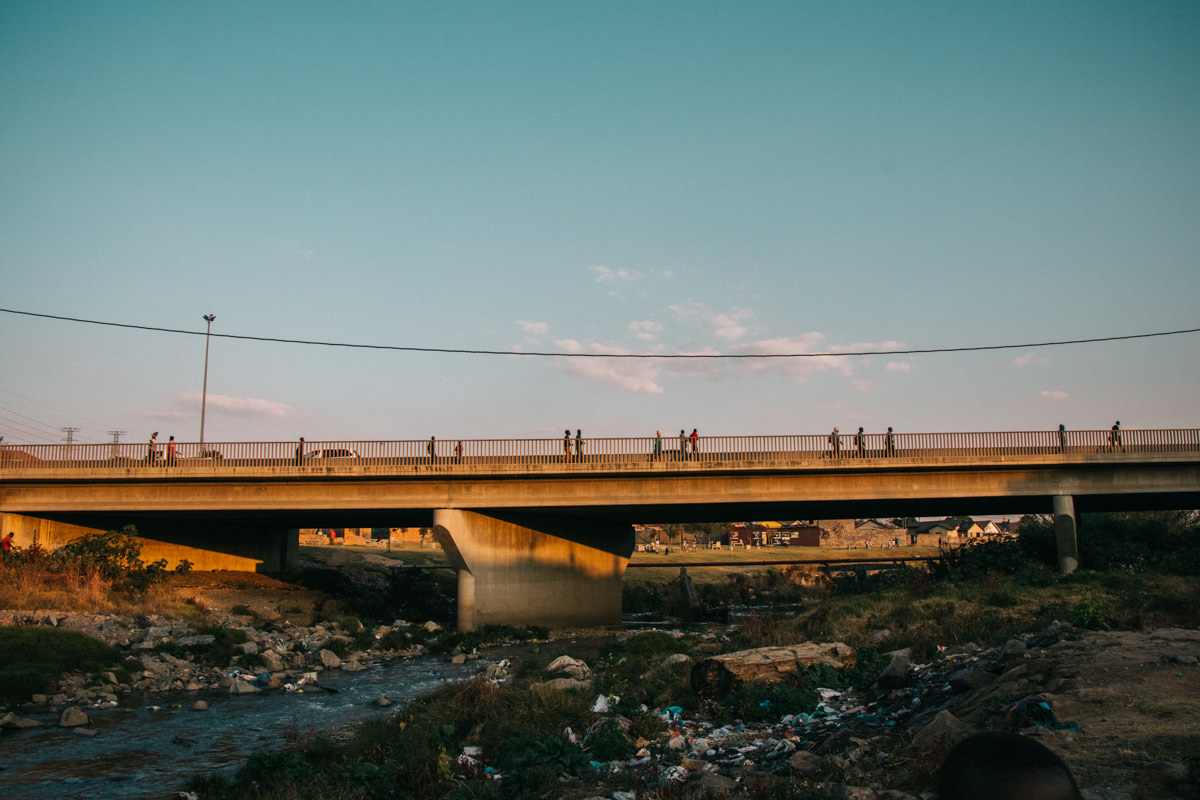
(72, 717)
(200, 705)
(11, 720)
(328, 659)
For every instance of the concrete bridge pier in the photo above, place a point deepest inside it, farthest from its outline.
(1065, 534)
(535, 569)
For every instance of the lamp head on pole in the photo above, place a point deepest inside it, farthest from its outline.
(209, 317)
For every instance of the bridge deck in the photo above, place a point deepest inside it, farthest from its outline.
(481, 457)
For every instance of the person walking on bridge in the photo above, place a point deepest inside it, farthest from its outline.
(171, 452)
(432, 449)
(695, 437)
(578, 444)
(858, 443)
(152, 452)
(300, 452)
(835, 444)
(889, 443)
(1114, 437)
(657, 445)
(567, 445)
(682, 445)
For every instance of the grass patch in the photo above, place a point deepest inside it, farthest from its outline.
(32, 660)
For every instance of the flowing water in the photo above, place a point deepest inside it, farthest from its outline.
(147, 751)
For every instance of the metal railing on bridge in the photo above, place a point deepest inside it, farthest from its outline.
(838, 450)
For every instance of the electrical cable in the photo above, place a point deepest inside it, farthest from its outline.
(465, 351)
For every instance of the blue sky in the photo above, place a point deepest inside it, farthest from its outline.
(617, 177)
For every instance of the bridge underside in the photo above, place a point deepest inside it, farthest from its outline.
(551, 549)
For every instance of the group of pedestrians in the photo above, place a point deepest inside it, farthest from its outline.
(860, 443)
(154, 455)
(689, 444)
(578, 445)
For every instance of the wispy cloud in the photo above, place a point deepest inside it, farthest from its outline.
(638, 375)
(608, 274)
(246, 407)
(1054, 394)
(534, 328)
(725, 325)
(898, 366)
(646, 330)
(1028, 360)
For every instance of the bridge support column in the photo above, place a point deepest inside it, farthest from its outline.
(1065, 534)
(534, 570)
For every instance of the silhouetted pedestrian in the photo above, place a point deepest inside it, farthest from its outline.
(682, 445)
(458, 452)
(171, 452)
(1062, 438)
(578, 444)
(695, 437)
(567, 445)
(431, 448)
(300, 452)
(1114, 437)
(889, 445)
(152, 453)
(835, 444)
(657, 445)
(858, 443)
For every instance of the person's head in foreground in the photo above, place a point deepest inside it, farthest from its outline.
(1004, 766)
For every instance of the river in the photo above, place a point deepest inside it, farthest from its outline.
(147, 752)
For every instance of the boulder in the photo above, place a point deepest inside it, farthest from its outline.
(72, 717)
(200, 705)
(239, 686)
(717, 676)
(572, 666)
(895, 674)
(965, 680)
(945, 731)
(272, 661)
(11, 720)
(328, 659)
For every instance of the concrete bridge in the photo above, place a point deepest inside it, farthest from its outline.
(540, 531)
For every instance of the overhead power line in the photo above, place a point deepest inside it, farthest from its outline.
(468, 351)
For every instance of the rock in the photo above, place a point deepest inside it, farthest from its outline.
(248, 648)
(945, 731)
(573, 667)
(328, 659)
(243, 687)
(1013, 650)
(431, 627)
(711, 786)
(557, 685)
(11, 720)
(85, 731)
(200, 705)
(969, 679)
(459, 659)
(382, 701)
(895, 674)
(677, 658)
(199, 640)
(806, 764)
(353, 665)
(717, 676)
(272, 661)
(72, 717)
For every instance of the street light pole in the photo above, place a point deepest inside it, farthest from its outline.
(208, 318)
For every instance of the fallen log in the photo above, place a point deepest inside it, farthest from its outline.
(717, 676)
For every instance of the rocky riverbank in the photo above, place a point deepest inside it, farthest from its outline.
(168, 655)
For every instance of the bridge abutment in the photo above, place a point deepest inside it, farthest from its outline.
(535, 570)
(212, 546)
(1066, 533)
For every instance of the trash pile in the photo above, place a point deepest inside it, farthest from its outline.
(851, 734)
